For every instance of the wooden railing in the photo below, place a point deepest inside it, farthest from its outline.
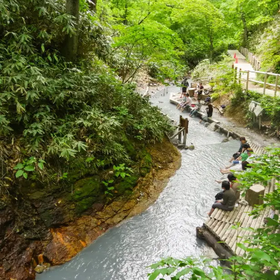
(265, 85)
(251, 58)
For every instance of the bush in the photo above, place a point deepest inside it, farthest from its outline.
(65, 113)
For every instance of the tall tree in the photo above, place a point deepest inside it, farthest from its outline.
(70, 47)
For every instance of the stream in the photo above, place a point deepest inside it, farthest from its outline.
(168, 227)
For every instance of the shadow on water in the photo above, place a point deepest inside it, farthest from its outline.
(167, 228)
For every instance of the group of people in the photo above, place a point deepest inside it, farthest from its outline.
(230, 194)
(198, 91)
(188, 104)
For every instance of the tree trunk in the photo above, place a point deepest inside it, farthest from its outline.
(125, 22)
(70, 48)
(211, 50)
(245, 30)
(220, 250)
(92, 5)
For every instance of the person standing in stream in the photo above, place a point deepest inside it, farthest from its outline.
(185, 85)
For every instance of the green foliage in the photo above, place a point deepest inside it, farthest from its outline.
(122, 171)
(270, 104)
(264, 168)
(190, 267)
(109, 187)
(78, 116)
(220, 76)
(266, 47)
(145, 44)
(28, 165)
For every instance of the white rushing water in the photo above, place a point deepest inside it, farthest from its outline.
(168, 227)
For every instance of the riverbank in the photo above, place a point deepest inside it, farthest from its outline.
(22, 252)
(69, 240)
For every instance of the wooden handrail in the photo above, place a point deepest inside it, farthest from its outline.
(260, 72)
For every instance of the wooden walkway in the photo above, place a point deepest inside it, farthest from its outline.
(232, 227)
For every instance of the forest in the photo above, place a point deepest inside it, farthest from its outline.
(69, 110)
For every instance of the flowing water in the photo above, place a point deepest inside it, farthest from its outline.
(168, 227)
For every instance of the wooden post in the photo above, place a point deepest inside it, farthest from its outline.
(184, 124)
(235, 74)
(240, 75)
(180, 137)
(276, 86)
(264, 84)
(247, 81)
(255, 194)
(185, 138)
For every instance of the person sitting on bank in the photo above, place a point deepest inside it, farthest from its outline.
(182, 103)
(243, 142)
(228, 201)
(186, 104)
(243, 156)
(195, 109)
(233, 184)
(242, 166)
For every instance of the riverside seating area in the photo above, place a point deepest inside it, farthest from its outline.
(223, 230)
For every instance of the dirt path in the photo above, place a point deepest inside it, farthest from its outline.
(242, 64)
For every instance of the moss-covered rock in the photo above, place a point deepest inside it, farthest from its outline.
(146, 163)
(129, 146)
(86, 192)
(127, 184)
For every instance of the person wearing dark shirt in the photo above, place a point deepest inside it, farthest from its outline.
(185, 85)
(228, 201)
(243, 146)
(209, 110)
(234, 184)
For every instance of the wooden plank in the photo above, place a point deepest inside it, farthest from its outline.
(235, 213)
(215, 213)
(234, 240)
(218, 225)
(226, 215)
(219, 214)
(241, 212)
(210, 222)
(255, 224)
(224, 230)
(229, 237)
(215, 221)
(220, 228)
(245, 220)
(244, 214)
